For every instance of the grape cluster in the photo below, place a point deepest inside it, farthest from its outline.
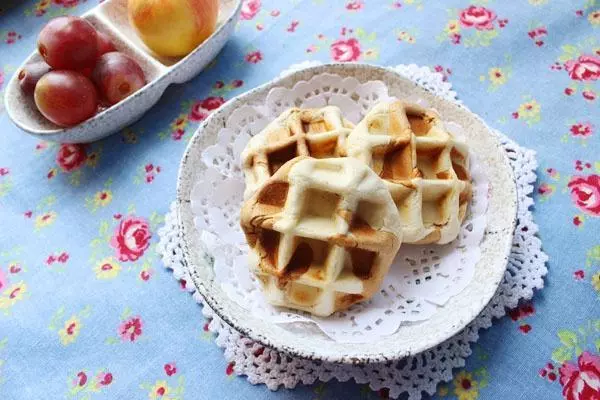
(82, 72)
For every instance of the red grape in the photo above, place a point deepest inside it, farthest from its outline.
(66, 97)
(30, 74)
(69, 43)
(117, 76)
(105, 45)
(87, 71)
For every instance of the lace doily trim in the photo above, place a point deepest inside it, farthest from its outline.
(422, 278)
(412, 375)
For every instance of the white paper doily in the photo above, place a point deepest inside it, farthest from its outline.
(412, 375)
(421, 278)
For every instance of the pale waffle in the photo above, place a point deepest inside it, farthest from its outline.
(316, 132)
(425, 168)
(322, 233)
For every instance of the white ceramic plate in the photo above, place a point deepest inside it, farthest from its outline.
(110, 17)
(410, 338)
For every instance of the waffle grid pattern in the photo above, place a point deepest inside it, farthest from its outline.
(320, 234)
(424, 167)
(318, 133)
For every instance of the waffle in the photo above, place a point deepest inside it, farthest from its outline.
(425, 168)
(322, 233)
(317, 132)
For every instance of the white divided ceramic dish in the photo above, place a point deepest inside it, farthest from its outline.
(110, 17)
(410, 338)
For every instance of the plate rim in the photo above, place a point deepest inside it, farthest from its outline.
(182, 200)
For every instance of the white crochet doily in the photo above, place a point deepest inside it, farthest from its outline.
(412, 375)
(421, 278)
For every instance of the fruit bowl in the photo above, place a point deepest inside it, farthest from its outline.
(110, 17)
(301, 340)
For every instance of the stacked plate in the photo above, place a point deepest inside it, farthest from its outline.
(410, 338)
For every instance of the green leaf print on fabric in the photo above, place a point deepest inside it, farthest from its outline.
(575, 342)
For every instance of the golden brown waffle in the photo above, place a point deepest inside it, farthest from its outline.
(322, 233)
(426, 169)
(317, 132)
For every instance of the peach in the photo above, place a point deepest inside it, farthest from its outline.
(173, 28)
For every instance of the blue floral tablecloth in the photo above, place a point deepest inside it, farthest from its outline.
(87, 311)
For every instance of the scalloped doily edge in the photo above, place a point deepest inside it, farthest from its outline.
(237, 348)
